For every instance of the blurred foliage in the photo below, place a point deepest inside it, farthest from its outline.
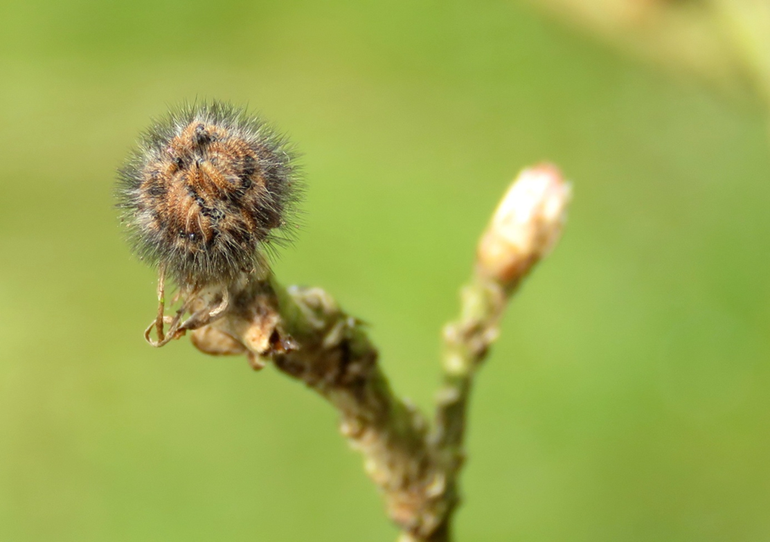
(627, 397)
(726, 42)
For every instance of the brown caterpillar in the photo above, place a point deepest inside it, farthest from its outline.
(207, 189)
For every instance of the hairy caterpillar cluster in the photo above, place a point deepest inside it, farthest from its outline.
(207, 189)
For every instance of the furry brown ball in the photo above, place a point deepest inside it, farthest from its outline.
(208, 187)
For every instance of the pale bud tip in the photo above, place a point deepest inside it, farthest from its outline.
(526, 225)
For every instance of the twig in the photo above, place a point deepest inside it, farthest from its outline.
(308, 337)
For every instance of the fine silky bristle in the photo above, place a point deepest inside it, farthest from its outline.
(207, 188)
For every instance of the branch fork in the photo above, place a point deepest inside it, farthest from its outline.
(308, 337)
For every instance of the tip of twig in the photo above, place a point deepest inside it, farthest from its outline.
(526, 225)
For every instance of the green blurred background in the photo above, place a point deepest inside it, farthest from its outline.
(627, 396)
